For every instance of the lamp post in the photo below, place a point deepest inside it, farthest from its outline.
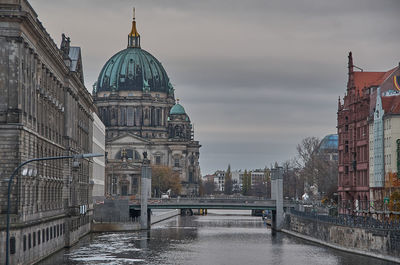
(79, 156)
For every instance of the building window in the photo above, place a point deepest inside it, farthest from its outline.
(158, 160)
(190, 176)
(176, 163)
(34, 239)
(43, 236)
(12, 245)
(346, 169)
(29, 241)
(24, 242)
(129, 117)
(38, 237)
(47, 234)
(51, 232)
(114, 185)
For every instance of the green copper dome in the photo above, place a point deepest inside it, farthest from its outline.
(177, 109)
(133, 69)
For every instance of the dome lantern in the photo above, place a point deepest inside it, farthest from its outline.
(134, 36)
(177, 109)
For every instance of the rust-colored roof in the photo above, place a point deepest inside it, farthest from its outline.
(368, 79)
(391, 104)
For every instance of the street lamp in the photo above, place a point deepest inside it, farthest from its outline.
(30, 172)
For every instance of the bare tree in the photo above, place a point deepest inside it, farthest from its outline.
(209, 187)
(228, 181)
(293, 187)
(315, 169)
(164, 178)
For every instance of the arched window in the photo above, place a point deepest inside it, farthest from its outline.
(176, 162)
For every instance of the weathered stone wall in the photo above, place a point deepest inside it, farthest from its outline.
(45, 110)
(131, 226)
(381, 242)
(112, 211)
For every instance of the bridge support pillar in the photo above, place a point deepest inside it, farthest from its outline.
(145, 194)
(277, 195)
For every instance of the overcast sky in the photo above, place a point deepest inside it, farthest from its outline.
(255, 76)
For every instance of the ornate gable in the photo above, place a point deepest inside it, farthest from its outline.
(128, 139)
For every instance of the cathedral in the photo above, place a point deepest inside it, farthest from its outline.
(136, 102)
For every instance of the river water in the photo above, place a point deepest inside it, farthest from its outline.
(204, 240)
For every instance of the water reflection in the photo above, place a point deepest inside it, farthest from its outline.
(199, 240)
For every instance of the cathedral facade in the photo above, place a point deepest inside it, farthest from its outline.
(136, 102)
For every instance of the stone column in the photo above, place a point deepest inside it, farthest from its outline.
(277, 195)
(145, 192)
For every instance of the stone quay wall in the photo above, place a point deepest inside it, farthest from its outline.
(374, 242)
(113, 216)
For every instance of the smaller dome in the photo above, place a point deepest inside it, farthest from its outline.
(329, 142)
(177, 109)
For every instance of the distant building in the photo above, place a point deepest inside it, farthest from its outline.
(99, 145)
(219, 180)
(384, 139)
(237, 177)
(353, 132)
(258, 177)
(208, 178)
(328, 147)
(136, 102)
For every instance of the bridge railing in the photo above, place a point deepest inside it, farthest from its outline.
(116, 219)
(267, 202)
(204, 199)
(351, 220)
(361, 207)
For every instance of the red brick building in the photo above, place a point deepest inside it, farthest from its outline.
(353, 182)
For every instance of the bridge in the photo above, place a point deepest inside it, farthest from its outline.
(146, 203)
(231, 203)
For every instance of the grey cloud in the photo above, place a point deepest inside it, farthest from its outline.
(255, 76)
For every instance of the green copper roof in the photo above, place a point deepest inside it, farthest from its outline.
(133, 69)
(177, 109)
